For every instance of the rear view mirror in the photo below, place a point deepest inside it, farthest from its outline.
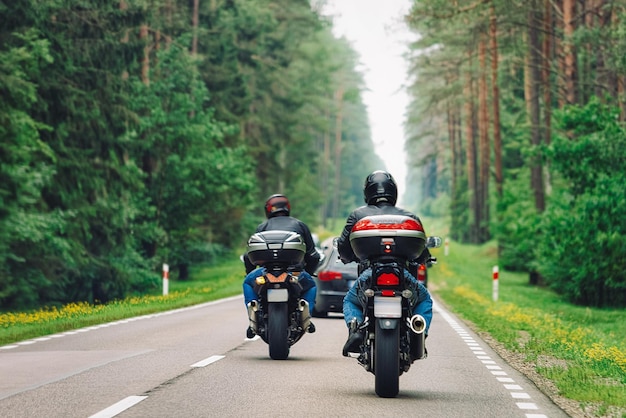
(433, 242)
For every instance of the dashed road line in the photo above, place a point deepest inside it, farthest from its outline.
(516, 391)
(119, 407)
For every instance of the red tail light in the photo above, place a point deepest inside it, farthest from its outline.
(327, 276)
(421, 272)
(388, 279)
(388, 293)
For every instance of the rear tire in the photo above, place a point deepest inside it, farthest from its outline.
(278, 331)
(387, 361)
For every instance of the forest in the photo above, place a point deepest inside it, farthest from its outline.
(136, 133)
(516, 131)
(140, 132)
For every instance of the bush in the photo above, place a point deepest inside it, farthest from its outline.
(581, 251)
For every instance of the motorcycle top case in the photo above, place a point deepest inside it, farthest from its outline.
(387, 235)
(278, 247)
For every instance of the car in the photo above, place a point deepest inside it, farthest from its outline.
(333, 279)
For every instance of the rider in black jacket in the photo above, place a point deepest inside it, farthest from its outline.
(277, 210)
(380, 193)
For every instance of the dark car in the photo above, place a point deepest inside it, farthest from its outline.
(333, 279)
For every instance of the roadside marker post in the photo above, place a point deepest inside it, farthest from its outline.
(446, 246)
(166, 280)
(495, 283)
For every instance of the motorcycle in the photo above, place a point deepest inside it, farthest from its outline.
(279, 316)
(393, 336)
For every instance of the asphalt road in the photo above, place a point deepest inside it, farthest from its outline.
(196, 362)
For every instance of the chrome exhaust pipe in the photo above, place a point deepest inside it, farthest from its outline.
(305, 315)
(417, 323)
(253, 307)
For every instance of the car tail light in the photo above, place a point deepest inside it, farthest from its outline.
(327, 276)
(388, 279)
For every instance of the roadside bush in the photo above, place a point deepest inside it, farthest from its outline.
(582, 246)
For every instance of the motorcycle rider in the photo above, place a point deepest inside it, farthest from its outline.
(380, 193)
(277, 211)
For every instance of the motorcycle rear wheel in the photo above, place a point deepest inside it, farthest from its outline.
(387, 361)
(278, 331)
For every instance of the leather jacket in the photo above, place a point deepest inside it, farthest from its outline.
(346, 254)
(289, 223)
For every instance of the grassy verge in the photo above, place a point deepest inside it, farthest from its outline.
(580, 351)
(208, 283)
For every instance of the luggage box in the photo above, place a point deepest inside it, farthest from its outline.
(387, 235)
(276, 247)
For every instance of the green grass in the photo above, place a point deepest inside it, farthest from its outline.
(208, 283)
(581, 350)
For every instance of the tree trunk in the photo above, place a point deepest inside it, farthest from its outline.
(470, 151)
(485, 154)
(145, 62)
(531, 93)
(497, 133)
(570, 71)
(547, 62)
(194, 20)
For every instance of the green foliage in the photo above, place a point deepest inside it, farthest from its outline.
(518, 227)
(130, 151)
(582, 246)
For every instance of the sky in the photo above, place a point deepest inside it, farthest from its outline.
(376, 31)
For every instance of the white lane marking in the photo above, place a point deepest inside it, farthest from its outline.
(492, 366)
(123, 321)
(207, 361)
(527, 405)
(119, 407)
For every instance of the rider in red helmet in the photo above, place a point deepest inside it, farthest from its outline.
(277, 212)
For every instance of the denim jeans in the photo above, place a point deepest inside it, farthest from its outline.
(305, 279)
(354, 301)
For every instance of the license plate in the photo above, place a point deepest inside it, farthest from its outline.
(387, 307)
(277, 295)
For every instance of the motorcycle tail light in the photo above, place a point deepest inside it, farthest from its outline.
(388, 279)
(388, 293)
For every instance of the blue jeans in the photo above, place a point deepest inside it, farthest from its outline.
(305, 279)
(354, 301)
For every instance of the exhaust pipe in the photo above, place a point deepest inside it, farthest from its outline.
(253, 307)
(417, 323)
(305, 315)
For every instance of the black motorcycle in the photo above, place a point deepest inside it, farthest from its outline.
(394, 337)
(279, 316)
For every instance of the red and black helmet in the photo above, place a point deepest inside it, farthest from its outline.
(277, 204)
(380, 186)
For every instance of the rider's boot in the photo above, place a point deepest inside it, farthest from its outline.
(355, 339)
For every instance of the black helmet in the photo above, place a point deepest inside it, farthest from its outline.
(275, 204)
(380, 186)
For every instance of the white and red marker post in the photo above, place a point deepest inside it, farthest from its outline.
(495, 283)
(166, 279)
(446, 247)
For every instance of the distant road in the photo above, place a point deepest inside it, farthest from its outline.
(196, 362)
